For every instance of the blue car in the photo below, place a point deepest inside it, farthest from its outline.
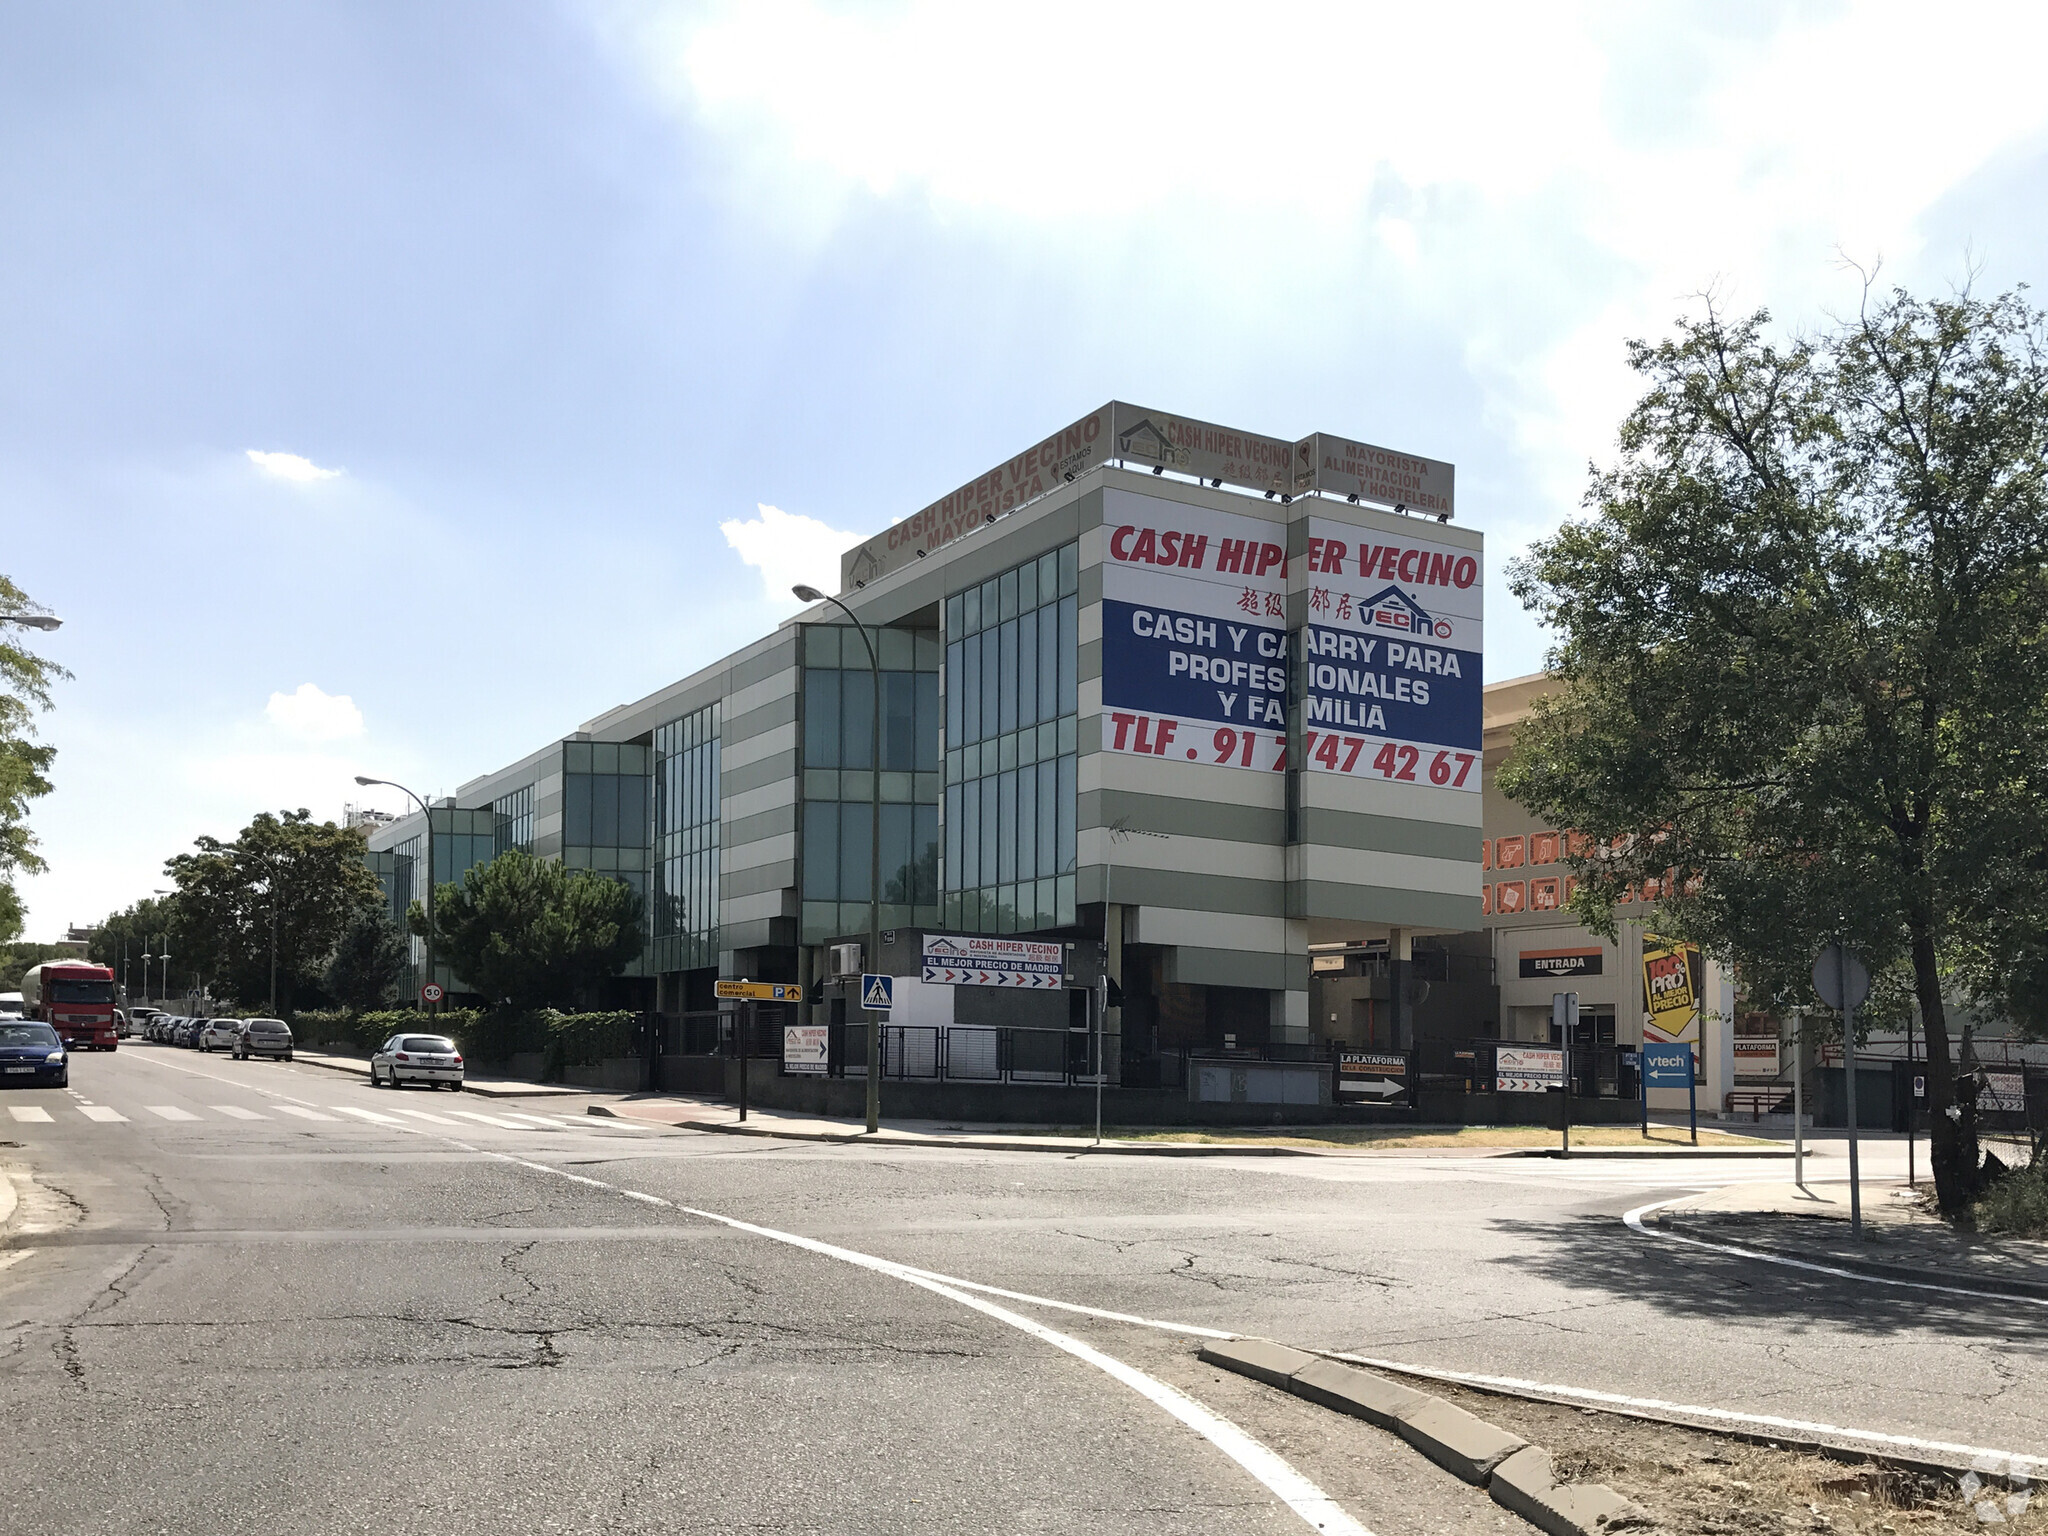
(32, 1055)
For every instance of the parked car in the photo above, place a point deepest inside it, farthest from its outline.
(264, 1037)
(137, 1022)
(32, 1055)
(159, 1026)
(429, 1059)
(188, 1033)
(221, 1035)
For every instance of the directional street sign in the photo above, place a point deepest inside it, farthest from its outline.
(1667, 1066)
(1375, 1074)
(806, 1049)
(877, 993)
(761, 991)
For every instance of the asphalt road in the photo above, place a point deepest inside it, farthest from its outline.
(269, 1297)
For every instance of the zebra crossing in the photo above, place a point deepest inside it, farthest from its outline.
(329, 1114)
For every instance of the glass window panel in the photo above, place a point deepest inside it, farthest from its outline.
(1049, 576)
(970, 690)
(821, 719)
(954, 693)
(1006, 674)
(576, 809)
(1069, 655)
(927, 742)
(956, 617)
(1048, 817)
(856, 835)
(990, 618)
(1006, 827)
(928, 650)
(897, 649)
(1048, 663)
(925, 854)
(1070, 570)
(1027, 823)
(1069, 733)
(1006, 594)
(1027, 668)
(576, 757)
(821, 645)
(856, 720)
(967, 871)
(1066, 814)
(604, 810)
(899, 738)
(604, 757)
(898, 880)
(953, 836)
(1027, 587)
(991, 693)
(988, 829)
(970, 610)
(633, 812)
(1048, 904)
(1065, 911)
(821, 851)
(1006, 751)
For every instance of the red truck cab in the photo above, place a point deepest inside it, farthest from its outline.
(75, 999)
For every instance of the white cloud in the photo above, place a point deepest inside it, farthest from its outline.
(787, 548)
(289, 466)
(313, 715)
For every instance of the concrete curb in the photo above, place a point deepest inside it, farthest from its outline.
(8, 1198)
(1988, 1286)
(1521, 1477)
(1679, 1152)
(971, 1143)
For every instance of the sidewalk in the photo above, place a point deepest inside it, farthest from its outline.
(1901, 1241)
(716, 1115)
(486, 1087)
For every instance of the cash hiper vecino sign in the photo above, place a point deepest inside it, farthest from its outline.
(1194, 634)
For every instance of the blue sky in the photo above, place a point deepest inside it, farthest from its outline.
(390, 388)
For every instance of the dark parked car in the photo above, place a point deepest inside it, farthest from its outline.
(32, 1055)
(188, 1033)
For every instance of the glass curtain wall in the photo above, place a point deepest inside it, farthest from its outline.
(514, 813)
(838, 783)
(686, 843)
(607, 820)
(1012, 665)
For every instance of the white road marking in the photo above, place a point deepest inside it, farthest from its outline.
(34, 1113)
(302, 1112)
(1308, 1501)
(236, 1112)
(634, 1194)
(421, 1114)
(1721, 1415)
(14, 1257)
(170, 1112)
(365, 1114)
(102, 1113)
(1634, 1219)
(503, 1125)
(546, 1125)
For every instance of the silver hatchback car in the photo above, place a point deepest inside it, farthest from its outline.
(220, 1035)
(264, 1037)
(430, 1059)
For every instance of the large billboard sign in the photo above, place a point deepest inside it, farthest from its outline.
(1335, 466)
(1194, 634)
(1392, 655)
(979, 960)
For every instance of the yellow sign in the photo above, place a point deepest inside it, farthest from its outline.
(761, 991)
(1668, 993)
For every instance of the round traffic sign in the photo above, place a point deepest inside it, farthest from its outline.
(432, 992)
(1841, 977)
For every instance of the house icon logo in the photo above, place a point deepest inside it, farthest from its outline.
(1394, 609)
(944, 946)
(1146, 441)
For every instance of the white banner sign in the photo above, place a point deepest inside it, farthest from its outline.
(804, 1048)
(975, 960)
(1528, 1068)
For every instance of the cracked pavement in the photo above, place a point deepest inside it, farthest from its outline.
(255, 1326)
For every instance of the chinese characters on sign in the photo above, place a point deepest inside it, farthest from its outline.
(1194, 634)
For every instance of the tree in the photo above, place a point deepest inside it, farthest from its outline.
(25, 680)
(532, 931)
(370, 962)
(287, 886)
(1802, 646)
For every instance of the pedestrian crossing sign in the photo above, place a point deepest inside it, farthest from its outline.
(877, 993)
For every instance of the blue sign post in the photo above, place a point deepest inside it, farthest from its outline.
(1671, 1066)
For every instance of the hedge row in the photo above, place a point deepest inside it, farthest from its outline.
(493, 1035)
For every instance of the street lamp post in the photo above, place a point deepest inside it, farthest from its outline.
(813, 595)
(429, 818)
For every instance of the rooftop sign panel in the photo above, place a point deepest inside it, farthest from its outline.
(1127, 434)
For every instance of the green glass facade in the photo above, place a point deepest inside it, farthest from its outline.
(1012, 667)
(839, 779)
(686, 823)
(514, 813)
